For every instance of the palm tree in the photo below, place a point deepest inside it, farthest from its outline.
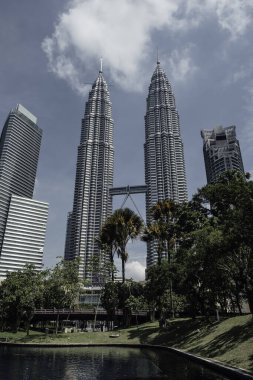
(128, 226)
(121, 227)
(155, 232)
(107, 242)
(163, 228)
(163, 231)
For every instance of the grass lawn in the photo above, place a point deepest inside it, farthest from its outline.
(229, 341)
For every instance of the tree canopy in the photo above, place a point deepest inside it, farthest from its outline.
(121, 227)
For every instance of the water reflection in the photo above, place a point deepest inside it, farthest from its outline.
(107, 363)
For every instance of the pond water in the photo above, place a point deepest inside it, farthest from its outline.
(97, 363)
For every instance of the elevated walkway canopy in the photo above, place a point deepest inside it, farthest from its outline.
(127, 191)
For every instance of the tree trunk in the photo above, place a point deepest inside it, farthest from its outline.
(250, 299)
(152, 315)
(27, 327)
(57, 324)
(112, 266)
(237, 298)
(171, 301)
(171, 295)
(123, 270)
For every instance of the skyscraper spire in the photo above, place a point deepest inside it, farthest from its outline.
(94, 176)
(101, 65)
(157, 56)
(164, 158)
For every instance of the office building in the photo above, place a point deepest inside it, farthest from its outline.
(94, 177)
(221, 152)
(24, 234)
(163, 149)
(19, 153)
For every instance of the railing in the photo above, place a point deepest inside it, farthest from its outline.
(84, 311)
(139, 189)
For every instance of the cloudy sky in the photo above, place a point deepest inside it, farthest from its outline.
(50, 52)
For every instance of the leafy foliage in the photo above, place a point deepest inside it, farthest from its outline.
(127, 296)
(231, 200)
(62, 285)
(25, 290)
(205, 261)
(121, 227)
(20, 294)
(211, 265)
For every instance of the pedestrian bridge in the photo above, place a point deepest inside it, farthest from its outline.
(99, 314)
(128, 191)
(138, 189)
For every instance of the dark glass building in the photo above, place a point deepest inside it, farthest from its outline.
(221, 151)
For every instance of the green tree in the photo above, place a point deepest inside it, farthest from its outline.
(127, 296)
(156, 232)
(21, 293)
(158, 282)
(172, 230)
(200, 277)
(130, 293)
(108, 243)
(231, 200)
(163, 228)
(126, 226)
(62, 285)
(110, 299)
(163, 232)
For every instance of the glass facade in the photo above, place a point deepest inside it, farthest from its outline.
(163, 149)
(221, 151)
(94, 177)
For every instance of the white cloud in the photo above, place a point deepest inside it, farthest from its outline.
(121, 32)
(241, 73)
(181, 64)
(234, 16)
(135, 270)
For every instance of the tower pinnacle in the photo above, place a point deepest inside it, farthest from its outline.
(101, 65)
(157, 56)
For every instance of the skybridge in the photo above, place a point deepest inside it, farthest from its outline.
(127, 190)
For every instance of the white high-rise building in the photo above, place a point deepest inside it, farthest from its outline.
(164, 157)
(19, 153)
(94, 177)
(24, 235)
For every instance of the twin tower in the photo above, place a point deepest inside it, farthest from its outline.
(164, 166)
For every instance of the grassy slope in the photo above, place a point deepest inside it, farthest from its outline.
(229, 341)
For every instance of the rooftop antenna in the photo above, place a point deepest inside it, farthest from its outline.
(100, 72)
(101, 65)
(157, 56)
